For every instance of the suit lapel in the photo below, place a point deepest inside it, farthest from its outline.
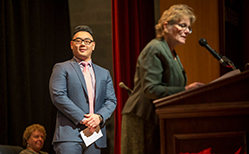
(182, 69)
(79, 73)
(177, 63)
(166, 48)
(97, 80)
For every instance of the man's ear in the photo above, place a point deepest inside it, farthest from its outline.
(71, 44)
(93, 46)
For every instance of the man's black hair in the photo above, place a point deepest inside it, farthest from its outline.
(83, 28)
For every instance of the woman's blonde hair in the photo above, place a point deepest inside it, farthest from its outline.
(30, 129)
(173, 15)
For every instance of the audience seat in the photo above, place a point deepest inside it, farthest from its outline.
(10, 149)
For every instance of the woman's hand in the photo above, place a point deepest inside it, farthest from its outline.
(194, 85)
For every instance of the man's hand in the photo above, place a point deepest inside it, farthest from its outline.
(91, 121)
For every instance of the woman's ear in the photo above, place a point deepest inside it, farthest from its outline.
(165, 26)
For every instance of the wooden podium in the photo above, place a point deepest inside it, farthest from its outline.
(214, 116)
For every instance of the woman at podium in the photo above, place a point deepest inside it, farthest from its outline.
(159, 73)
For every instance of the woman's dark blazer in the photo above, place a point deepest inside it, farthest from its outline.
(157, 75)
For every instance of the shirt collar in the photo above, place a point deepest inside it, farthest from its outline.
(80, 61)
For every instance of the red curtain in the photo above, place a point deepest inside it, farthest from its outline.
(132, 28)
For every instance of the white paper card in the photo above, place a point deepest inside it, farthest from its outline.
(89, 137)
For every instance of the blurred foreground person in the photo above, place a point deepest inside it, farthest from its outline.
(159, 73)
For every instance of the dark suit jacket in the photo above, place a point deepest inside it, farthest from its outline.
(69, 95)
(157, 75)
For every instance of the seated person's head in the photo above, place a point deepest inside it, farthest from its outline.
(34, 136)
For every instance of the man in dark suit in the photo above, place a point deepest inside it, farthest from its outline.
(72, 97)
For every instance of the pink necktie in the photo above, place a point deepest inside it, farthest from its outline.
(89, 86)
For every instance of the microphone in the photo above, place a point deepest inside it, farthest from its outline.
(122, 85)
(222, 59)
(204, 43)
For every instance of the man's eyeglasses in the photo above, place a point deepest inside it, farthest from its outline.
(86, 41)
(184, 27)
